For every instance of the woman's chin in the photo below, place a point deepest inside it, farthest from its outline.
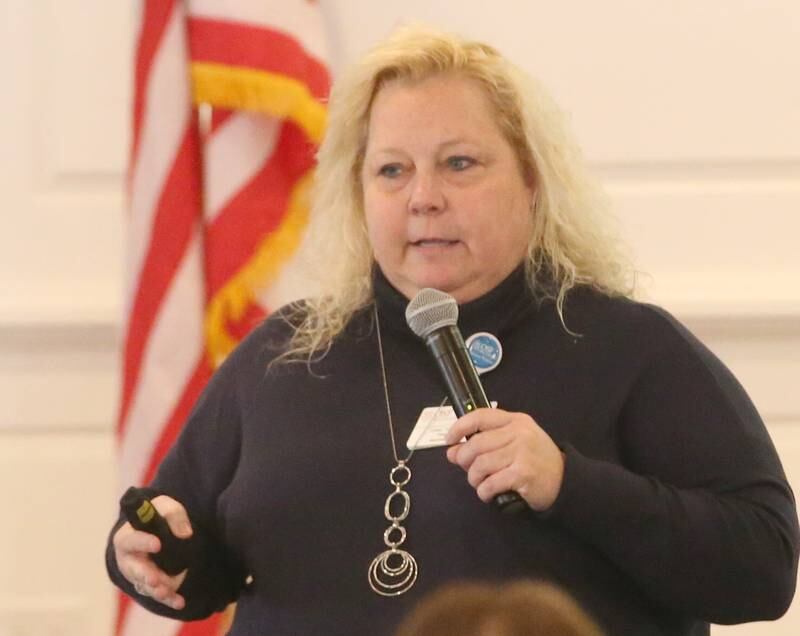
(458, 288)
(449, 280)
(443, 282)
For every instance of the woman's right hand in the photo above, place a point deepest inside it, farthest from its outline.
(133, 547)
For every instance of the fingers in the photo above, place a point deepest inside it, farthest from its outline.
(142, 572)
(133, 549)
(489, 473)
(162, 589)
(486, 430)
(129, 541)
(488, 464)
(507, 451)
(488, 452)
(484, 442)
(175, 514)
(479, 420)
(168, 597)
(498, 482)
(148, 580)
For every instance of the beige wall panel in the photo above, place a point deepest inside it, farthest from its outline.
(716, 247)
(645, 80)
(51, 546)
(765, 357)
(65, 140)
(62, 263)
(58, 378)
(80, 114)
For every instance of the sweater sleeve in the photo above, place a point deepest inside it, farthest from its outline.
(213, 578)
(700, 515)
(195, 471)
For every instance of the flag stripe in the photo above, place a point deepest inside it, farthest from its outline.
(259, 206)
(171, 429)
(165, 365)
(237, 149)
(300, 19)
(211, 625)
(257, 48)
(208, 227)
(160, 384)
(175, 218)
(123, 607)
(165, 120)
(154, 23)
(219, 116)
(140, 622)
(261, 269)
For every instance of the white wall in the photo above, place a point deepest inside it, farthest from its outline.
(690, 111)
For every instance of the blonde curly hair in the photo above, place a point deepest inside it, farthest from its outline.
(572, 240)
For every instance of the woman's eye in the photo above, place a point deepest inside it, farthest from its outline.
(460, 162)
(390, 170)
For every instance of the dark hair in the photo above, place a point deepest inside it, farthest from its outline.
(524, 608)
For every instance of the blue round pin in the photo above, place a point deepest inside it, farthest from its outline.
(485, 350)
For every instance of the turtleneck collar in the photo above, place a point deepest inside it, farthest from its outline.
(495, 312)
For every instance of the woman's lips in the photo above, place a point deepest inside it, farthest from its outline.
(433, 242)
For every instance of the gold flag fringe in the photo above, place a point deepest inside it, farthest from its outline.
(232, 300)
(275, 95)
(240, 88)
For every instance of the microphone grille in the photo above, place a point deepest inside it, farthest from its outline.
(430, 310)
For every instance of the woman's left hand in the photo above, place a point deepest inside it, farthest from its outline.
(507, 451)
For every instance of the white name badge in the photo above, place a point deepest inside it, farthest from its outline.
(431, 428)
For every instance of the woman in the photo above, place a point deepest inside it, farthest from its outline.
(654, 494)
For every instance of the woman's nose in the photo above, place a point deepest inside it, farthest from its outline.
(426, 195)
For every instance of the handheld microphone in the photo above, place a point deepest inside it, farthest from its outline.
(433, 316)
(174, 555)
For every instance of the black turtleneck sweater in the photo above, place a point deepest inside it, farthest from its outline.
(674, 510)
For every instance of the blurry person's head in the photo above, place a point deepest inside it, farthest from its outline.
(525, 608)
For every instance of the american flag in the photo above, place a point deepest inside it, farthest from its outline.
(226, 117)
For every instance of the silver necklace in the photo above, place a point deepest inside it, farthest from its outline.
(394, 570)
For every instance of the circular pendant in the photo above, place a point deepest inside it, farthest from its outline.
(392, 572)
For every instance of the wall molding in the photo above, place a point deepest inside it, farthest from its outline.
(65, 332)
(58, 376)
(52, 334)
(772, 170)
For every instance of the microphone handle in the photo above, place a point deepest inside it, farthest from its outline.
(466, 392)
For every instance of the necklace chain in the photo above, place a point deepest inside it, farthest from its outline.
(386, 392)
(394, 570)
